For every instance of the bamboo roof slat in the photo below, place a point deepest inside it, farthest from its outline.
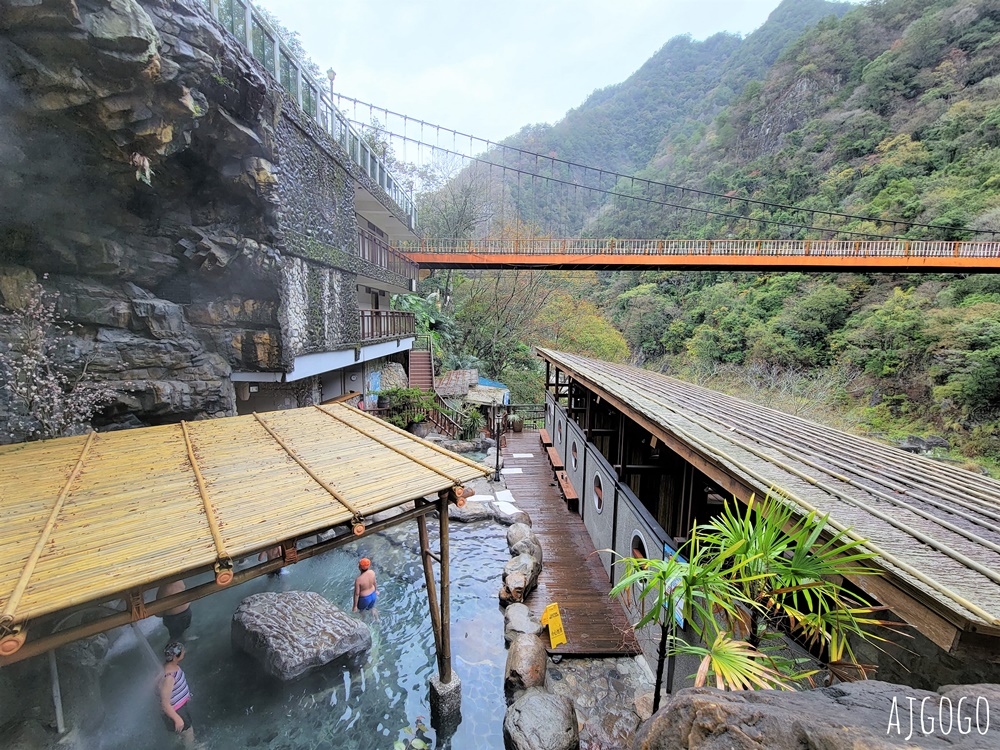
(159, 502)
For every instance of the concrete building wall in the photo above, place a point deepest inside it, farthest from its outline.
(636, 530)
(575, 460)
(598, 493)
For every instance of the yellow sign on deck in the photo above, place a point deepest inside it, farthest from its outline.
(553, 620)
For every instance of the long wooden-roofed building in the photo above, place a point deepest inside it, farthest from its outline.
(649, 456)
(100, 520)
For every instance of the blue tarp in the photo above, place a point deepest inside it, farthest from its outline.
(491, 383)
(496, 384)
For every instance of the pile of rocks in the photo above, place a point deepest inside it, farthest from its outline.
(485, 505)
(535, 719)
(520, 574)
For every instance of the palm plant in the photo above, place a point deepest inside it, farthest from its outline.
(472, 423)
(747, 577)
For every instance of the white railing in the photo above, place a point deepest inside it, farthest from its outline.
(242, 20)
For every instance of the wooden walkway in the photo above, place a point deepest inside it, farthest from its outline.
(571, 575)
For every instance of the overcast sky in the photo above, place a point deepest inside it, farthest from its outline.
(491, 68)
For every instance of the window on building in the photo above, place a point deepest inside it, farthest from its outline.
(598, 493)
(309, 100)
(638, 546)
(232, 16)
(575, 460)
(289, 76)
(263, 46)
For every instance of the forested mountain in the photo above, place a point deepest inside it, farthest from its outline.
(686, 83)
(887, 113)
(890, 112)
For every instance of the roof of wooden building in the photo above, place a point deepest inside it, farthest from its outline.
(934, 526)
(87, 518)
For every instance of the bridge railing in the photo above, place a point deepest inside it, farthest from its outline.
(249, 27)
(789, 248)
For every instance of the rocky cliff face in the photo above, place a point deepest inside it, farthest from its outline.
(143, 178)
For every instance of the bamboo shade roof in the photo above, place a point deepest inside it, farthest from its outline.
(83, 519)
(935, 527)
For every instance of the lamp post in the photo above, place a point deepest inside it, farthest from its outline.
(332, 75)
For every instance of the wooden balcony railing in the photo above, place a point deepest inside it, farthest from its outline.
(386, 324)
(376, 251)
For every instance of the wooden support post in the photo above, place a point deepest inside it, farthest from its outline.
(425, 558)
(445, 588)
(621, 438)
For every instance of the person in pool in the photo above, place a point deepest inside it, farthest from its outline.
(365, 590)
(175, 694)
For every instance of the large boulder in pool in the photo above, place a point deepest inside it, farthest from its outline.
(520, 576)
(526, 665)
(541, 721)
(292, 632)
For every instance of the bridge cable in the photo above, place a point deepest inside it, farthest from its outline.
(706, 211)
(683, 189)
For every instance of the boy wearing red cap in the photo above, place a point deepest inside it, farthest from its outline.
(365, 590)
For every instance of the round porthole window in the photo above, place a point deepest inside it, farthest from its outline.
(598, 493)
(638, 546)
(559, 431)
(575, 458)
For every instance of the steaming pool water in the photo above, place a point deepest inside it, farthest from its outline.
(236, 706)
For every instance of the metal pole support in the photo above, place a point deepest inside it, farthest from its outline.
(56, 692)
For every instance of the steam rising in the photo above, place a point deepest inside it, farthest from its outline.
(45, 183)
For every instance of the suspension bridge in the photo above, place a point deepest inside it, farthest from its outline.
(847, 246)
(900, 256)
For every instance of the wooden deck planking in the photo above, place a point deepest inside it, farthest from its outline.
(571, 574)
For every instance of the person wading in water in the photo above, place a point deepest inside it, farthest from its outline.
(177, 619)
(365, 590)
(175, 694)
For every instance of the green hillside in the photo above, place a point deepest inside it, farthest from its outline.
(889, 112)
(878, 119)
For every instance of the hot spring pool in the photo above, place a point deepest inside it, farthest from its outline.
(236, 706)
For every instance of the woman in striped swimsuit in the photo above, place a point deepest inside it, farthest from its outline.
(174, 693)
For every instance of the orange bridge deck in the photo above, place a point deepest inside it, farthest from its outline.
(901, 256)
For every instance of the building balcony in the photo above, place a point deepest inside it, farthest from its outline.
(387, 324)
(376, 251)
